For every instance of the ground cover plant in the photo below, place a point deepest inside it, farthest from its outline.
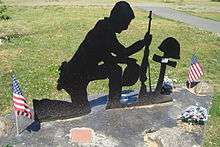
(49, 35)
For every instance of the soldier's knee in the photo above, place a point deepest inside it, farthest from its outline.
(60, 81)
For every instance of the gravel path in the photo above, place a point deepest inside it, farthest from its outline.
(205, 24)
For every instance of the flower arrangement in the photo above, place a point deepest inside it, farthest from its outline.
(195, 115)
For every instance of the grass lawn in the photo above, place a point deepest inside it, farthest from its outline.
(72, 2)
(44, 36)
(209, 15)
(204, 9)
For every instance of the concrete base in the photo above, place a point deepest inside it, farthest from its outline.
(118, 127)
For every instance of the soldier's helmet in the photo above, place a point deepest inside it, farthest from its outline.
(171, 48)
(122, 11)
(131, 74)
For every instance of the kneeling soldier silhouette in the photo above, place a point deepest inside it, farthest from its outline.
(102, 46)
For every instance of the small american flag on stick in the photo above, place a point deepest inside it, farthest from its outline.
(195, 70)
(19, 102)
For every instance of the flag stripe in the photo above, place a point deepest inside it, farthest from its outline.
(18, 99)
(20, 103)
(21, 108)
(199, 67)
(196, 67)
(20, 111)
(192, 75)
(27, 114)
(195, 71)
(18, 96)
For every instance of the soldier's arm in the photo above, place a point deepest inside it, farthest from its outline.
(122, 51)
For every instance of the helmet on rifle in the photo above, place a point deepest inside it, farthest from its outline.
(171, 48)
(122, 11)
(131, 74)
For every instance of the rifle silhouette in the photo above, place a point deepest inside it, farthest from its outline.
(145, 63)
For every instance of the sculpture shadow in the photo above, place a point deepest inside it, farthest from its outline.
(34, 127)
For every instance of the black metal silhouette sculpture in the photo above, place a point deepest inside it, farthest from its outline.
(102, 45)
(98, 57)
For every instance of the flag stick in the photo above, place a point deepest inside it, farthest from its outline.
(16, 119)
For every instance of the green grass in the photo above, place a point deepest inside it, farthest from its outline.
(212, 137)
(94, 2)
(208, 15)
(204, 9)
(71, 2)
(49, 35)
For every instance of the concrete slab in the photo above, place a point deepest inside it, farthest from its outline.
(115, 127)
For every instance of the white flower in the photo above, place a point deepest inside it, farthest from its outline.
(195, 113)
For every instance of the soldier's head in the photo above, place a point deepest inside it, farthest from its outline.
(121, 16)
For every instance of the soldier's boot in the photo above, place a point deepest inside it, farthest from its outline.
(114, 102)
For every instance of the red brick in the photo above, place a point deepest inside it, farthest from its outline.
(81, 135)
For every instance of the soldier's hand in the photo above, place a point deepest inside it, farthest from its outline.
(147, 39)
(131, 60)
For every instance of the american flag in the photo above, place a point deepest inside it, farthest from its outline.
(19, 102)
(195, 70)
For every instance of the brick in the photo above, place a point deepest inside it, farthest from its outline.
(81, 135)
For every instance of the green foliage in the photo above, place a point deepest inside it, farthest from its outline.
(215, 0)
(3, 10)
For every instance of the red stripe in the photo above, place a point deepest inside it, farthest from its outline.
(195, 71)
(19, 98)
(190, 78)
(192, 75)
(27, 114)
(199, 67)
(195, 74)
(17, 108)
(30, 115)
(21, 110)
(25, 105)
